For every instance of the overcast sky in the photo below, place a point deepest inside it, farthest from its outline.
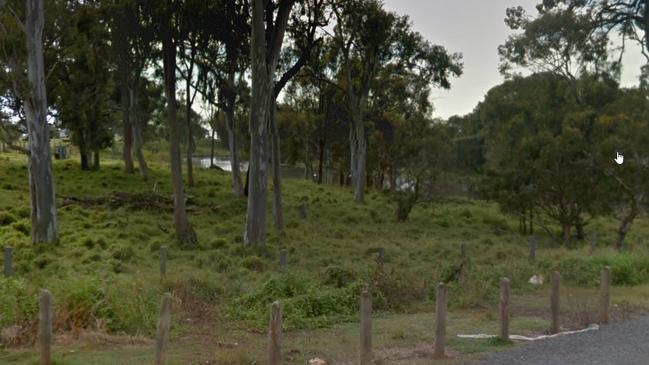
(475, 28)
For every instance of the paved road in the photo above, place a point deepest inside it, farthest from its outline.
(617, 344)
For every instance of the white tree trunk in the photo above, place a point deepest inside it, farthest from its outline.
(237, 189)
(261, 88)
(41, 180)
(184, 231)
(137, 138)
(264, 62)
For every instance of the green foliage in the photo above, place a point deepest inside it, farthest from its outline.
(627, 269)
(6, 218)
(405, 202)
(305, 303)
(17, 302)
(253, 263)
(338, 276)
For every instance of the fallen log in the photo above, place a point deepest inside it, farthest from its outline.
(140, 201)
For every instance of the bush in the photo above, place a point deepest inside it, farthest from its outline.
(338, 276)
(305, 303)
(21, 226)
(203, 289)
(405, 202)
(217, 243)
(124, 253)
(626, 269)
(253, 263)
(17, 302)
(6, 218)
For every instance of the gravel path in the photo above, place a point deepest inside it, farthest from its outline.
(617, 344)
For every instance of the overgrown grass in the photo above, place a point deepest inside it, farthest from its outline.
(103, 272)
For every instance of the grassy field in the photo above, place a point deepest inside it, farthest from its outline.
(104, 274)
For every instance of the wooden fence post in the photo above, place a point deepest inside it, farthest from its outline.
(8, 268)
(163, 262)
(604, 295)
(283, 258)
(554, 302)
(440, 321)
(366, 328)
(45, 314)
(504, 309)
(164, 323)
(532, 243)
(275, 335)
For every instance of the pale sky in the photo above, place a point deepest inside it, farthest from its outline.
(476, 28)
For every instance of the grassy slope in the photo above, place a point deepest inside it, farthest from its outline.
(104, 272)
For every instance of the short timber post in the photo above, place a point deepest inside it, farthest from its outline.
(504, 309)
(605, 295)
(440, 321)
(366, 328)
(275, 335)
(45, 314)
(164, 323)
(554, 302)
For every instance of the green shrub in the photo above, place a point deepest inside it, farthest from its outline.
(305, 303)
(337, 276)
(405, 202)
(626, 269)
(22, 226)
(23, 212)
(204, 289)
(217, 243)
(123, 253)
(6, 218)
(17, 301)
(253, 263)
(154, 246)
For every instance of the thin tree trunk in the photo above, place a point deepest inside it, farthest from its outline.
(95, 160)
(126, 125)
(358, 158)
(321, 162)
(308, 169)
(278, 215)
(565, 233)
(137, 138)
(626, 223)
(212, 147)
(84, 153)
(184, 231)
(190, 137)
(234, 155)
(41, 180)
(531, 221)
(579, 227)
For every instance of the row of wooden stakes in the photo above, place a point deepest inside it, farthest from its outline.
(45, 317)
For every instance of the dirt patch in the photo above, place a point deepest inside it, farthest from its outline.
(94, 338)
(406, 354)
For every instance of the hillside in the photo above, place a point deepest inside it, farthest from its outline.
(105, 279)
